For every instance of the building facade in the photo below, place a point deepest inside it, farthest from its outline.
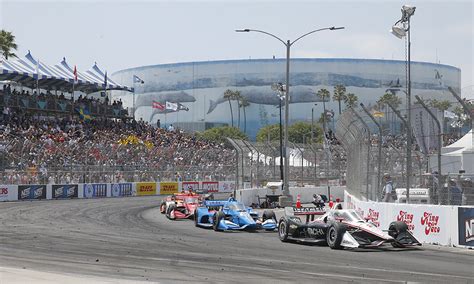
(200, 87)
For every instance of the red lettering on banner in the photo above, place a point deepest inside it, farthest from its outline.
(4, 191)
(430, 222)
(407, 218)
(373, 217)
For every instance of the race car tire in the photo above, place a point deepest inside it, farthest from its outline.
(217, 219)
(394, 229)
(334, 235)
(268, 214)
(169, 210)
(195, 218)
(283, 229)
(163, 207)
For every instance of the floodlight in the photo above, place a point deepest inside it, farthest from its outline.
(409, 10)
(398, 31)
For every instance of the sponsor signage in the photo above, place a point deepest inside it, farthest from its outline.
(406, 217)
(210, 186)
(466, 226)
(65, 191)
(28, 192)
(92, 190)
(190, 186)
(146, 188)
(430, 222)
(167, 188)
(122, 189)
(4, 192)
(226, 186)
(373, 216)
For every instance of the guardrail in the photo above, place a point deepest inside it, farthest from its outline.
(102, 190)
(435, 224)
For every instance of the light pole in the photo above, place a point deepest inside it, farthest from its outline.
(287, 199)
(280, 88)
(401, 29)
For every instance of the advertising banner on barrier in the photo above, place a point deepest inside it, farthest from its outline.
(8, 192)
(226, 186)
(122, 190)
(189, 185)
(167, 188)
(210, 186)
(146, 188)
(92, 190)
(65, 191)
(429, 223)
(28, 192)
(466, 226)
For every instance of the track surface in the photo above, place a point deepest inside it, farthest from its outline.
(127, 238)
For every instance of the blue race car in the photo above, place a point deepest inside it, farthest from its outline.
(230, 214)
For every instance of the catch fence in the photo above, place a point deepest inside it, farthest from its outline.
(310, 164)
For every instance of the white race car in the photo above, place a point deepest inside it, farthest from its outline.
(340, 228)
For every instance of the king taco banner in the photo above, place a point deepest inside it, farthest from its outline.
(167, 188)
(146, 188)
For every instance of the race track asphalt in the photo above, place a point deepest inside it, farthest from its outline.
(127, 238)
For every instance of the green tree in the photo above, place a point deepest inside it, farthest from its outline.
(339, 95)
(243, 104)
(267, 132)
(441, 105)
(238, 97)
(7, 44)
(300, 132)
(229, 95)
(219, 134)
(351, 100)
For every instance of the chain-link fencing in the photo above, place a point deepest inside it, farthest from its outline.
(310, 164)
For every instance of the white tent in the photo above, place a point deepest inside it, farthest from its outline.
(465, 141)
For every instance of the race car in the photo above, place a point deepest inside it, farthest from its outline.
(339, 229)
(223, 215)
(180, 206)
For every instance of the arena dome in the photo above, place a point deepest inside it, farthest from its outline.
(200, 87)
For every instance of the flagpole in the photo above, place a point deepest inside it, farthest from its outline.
(73, 84)
(133, 79)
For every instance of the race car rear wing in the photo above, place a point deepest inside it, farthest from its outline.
(214, 203)
(309, 212)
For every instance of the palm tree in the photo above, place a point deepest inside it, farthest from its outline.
(229, 95)
(351, 100)
(7, 44)
(339, 95)
(237, 97)
(243, 104)
(388, 98)
(324, 95)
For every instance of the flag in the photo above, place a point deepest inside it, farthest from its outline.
(158, 105)
(378, 114)
(84, 114)
(182, 107)
(136, 79)
(75, 74)
(172, 106)
(449, 114)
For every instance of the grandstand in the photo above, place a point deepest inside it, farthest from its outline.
(48, 135)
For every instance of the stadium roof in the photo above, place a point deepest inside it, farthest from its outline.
(29, 71)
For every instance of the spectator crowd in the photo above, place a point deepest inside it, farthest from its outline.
(39, 149)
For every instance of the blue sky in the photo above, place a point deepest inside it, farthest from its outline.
(124, 34)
